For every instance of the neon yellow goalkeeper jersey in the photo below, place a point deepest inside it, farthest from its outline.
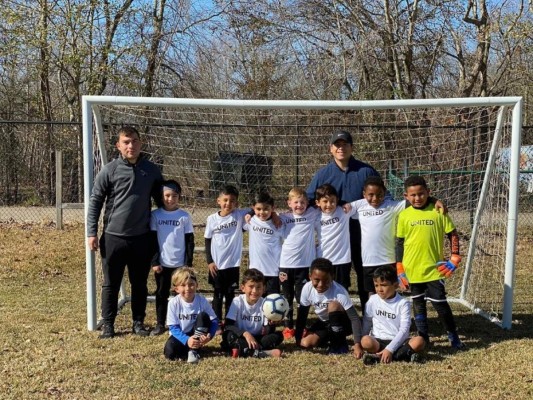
(423, 231)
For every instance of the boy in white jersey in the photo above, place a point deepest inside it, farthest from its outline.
(387, 321)
(377, 216)
(297, 251)
(175, 246)
(336, 314)
(223, 248)
(265, 242)
(247, 332)
(334, 233)
(191, 321)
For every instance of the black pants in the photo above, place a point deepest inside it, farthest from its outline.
(174, 349)
(357, 262)
(117, 252)
(292, 280)
(163, 281)
(224, 284)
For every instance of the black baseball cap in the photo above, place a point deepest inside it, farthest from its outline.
(341, 135)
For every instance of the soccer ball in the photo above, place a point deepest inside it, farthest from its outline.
(275, 307)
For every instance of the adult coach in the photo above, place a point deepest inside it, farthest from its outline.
(126, 185)
(347, 175)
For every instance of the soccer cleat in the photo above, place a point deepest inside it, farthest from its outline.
(276, 353)
(193, 357)
(159, 329)
(139, 329)
(416, 358)
(338, 350)
(370, 359)
(288, 333)
(455, 342)
(108, 331)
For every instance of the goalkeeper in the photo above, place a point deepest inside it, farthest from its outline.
(419, 255)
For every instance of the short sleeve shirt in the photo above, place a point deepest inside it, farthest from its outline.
(248, 317)
(264, 246)
(185, 314)
(320, 301)
(171, 227)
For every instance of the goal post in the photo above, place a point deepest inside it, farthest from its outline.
(467, 148)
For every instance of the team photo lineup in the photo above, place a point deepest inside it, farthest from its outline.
(299, 261)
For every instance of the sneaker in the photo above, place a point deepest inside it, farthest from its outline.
(416, 358)
(333, 351)
(159, 329)
(139, 329)
(370, 359)
(455, 342)
(276, 353)
(193, 357)
(108, 331)
(288, 333)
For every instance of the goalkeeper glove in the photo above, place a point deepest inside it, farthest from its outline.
(447, 268)
(402, 278)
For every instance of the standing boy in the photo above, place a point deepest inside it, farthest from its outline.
(387, 321)
(175, 238)
(265, 242)
(297, 251)
(223, 248)
(420, 254)
(125, 185)
(334, 233)
(336, 314)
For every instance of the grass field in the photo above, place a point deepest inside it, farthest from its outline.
(47, 351)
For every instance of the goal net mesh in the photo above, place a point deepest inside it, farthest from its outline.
(277, 149)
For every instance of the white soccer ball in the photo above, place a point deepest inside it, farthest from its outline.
(275, 307)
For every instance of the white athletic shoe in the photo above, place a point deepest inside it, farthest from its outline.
(193, 357)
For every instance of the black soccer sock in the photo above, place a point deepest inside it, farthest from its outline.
(403, 353)
(336, 329)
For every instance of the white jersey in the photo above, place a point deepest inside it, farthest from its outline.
(319, 301)
(264, 246)
(248, 317)
(388, 320)
(334, 236)
(226, 238)
(184, 314)
(378, 230)
(171, 227)
(298, 249)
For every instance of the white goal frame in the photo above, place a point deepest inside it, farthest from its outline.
(92, 123)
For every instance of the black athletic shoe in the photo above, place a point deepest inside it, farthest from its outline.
(139, 329)
(159, 329)
(108, 331)
(416, 358)
(370, 359)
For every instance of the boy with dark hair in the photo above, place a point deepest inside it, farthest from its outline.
(336, 314)
(223, 248)
(387, 321)
(265, 241)
(419, 256)
(175, 238)
(333, 231)
(247, 332)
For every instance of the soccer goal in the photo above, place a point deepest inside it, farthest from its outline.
(468, 149)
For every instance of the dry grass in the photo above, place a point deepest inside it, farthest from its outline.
(48, 353)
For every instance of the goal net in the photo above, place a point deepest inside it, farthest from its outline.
(467, 149)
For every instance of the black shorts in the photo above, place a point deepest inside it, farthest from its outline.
(225, 280)
(433, 291)
(321, 328)
(368, 279)
(384, 343)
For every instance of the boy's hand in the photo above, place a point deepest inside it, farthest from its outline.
(247, 218)
(252, 343)
(157, 269)
(402, 277)
(358, 350)
(194, 342)
(386, 356)
(347, 208)
(441, 207)
(213, 269)
(447, 268)
(204, 339)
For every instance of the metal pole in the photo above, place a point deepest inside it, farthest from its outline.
(59, 189)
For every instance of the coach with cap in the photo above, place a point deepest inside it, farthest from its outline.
(347, 175)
